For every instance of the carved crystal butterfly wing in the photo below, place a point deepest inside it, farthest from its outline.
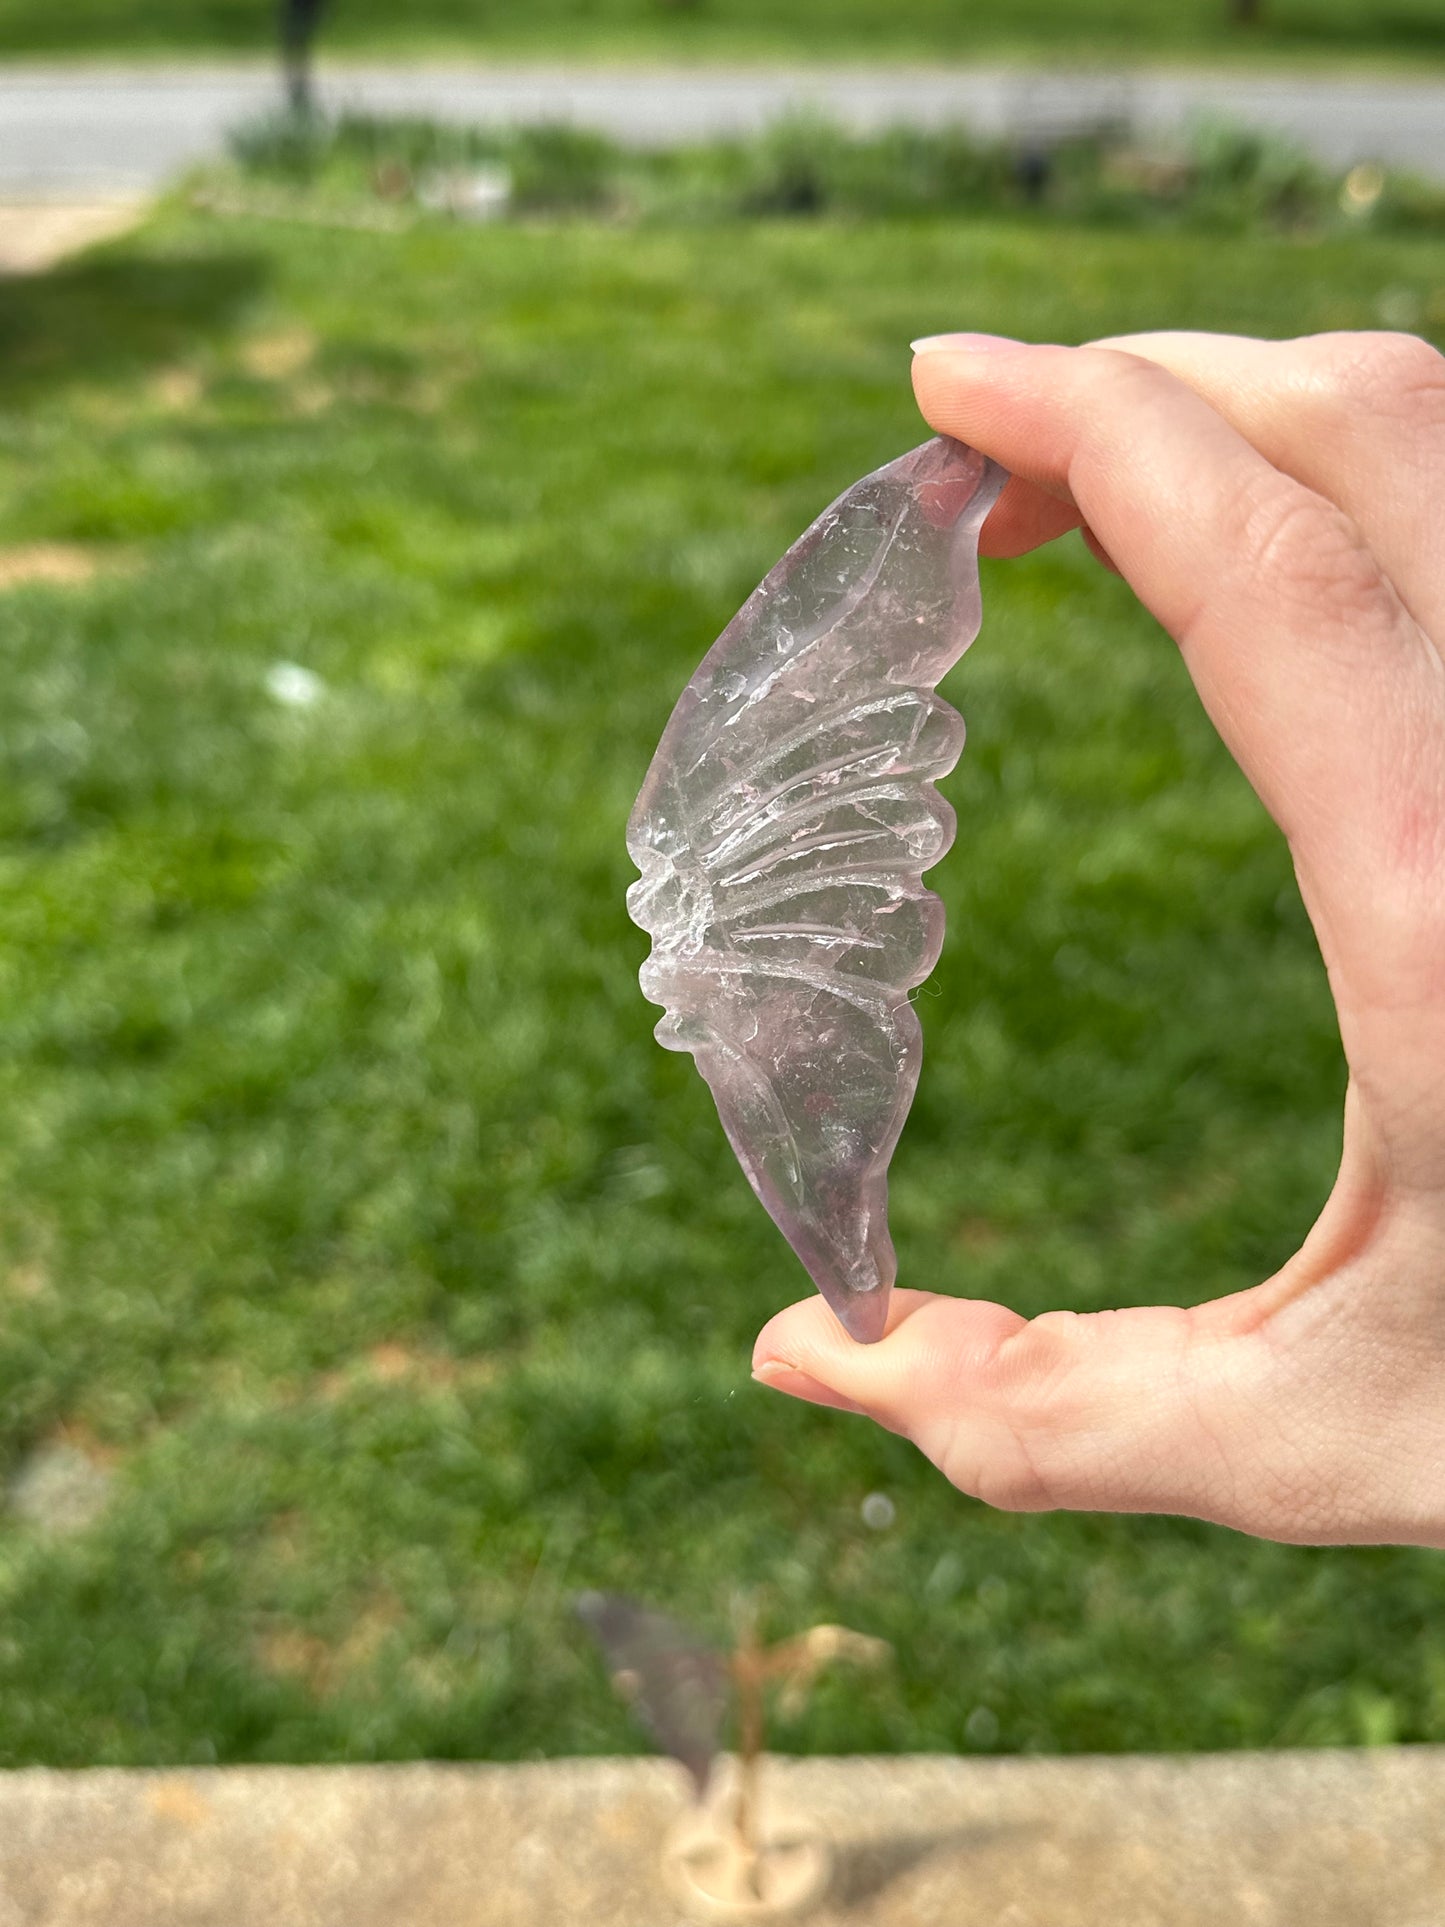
(677, 1684)
(782, 833)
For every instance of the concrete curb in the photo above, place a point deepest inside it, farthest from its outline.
(1318, 1839)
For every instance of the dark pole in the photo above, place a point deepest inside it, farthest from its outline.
(299, 20)
(1246, 12)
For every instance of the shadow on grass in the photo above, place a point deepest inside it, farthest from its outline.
(112, 315)
(1402, 31)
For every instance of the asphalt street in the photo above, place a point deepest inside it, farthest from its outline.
(80, 131)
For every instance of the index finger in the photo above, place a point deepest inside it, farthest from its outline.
(1315, 675)
(1358, 417)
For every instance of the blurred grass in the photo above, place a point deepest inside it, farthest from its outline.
(348, 1212)
(1410, 30)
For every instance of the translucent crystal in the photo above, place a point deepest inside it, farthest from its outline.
(782, 833)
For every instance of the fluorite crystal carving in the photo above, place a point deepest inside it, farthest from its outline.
(782, 833)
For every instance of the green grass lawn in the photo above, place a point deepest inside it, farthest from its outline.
(1402, 30)
(349, 1214)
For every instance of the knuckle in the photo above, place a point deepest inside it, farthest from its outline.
(1394, 374)
(1313, 550)
(996, 1468)
(1130, 386)
(1406, 922)
(1134, 378)
(1012, 1484)
(1001, 1450)
(1036, 1363)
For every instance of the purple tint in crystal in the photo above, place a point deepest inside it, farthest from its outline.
(782, 833)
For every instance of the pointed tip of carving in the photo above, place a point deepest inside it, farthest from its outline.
(863, 1314)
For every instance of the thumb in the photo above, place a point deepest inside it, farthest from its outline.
(1109, 1411)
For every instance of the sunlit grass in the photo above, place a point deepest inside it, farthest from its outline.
(700, 30)
(351, 1218)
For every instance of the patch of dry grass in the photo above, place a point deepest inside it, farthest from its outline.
(61, 564)
(35, 236)
(279, 354)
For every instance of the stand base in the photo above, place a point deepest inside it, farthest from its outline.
(715, 1879)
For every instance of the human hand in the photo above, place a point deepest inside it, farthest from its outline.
(1280, 508)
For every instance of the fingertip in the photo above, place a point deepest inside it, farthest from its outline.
(799, 1337)
(973, 395)
(805, 1352)
(779, 1377)
(808, 1338)
(966, 344)
(913, 1381)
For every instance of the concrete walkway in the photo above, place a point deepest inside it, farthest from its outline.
(1228, 1840)
(76, 131)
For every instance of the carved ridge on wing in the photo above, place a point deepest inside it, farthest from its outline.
(768, 858)
(715, 964)
(926, 702)
(765, 838)
(873, 768)
(760, 1086)
(865, 876)
(823, 934)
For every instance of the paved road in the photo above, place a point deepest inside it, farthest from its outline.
(81, 130)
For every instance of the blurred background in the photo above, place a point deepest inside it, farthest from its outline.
(370, 1283)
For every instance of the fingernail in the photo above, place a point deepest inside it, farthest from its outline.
(779, 1376)
(964, 344)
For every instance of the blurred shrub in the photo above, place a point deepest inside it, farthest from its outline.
(1217, 177)
(1237, 176)
(809, 166)
(562, 170)
(350, 152)
(295, 147)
